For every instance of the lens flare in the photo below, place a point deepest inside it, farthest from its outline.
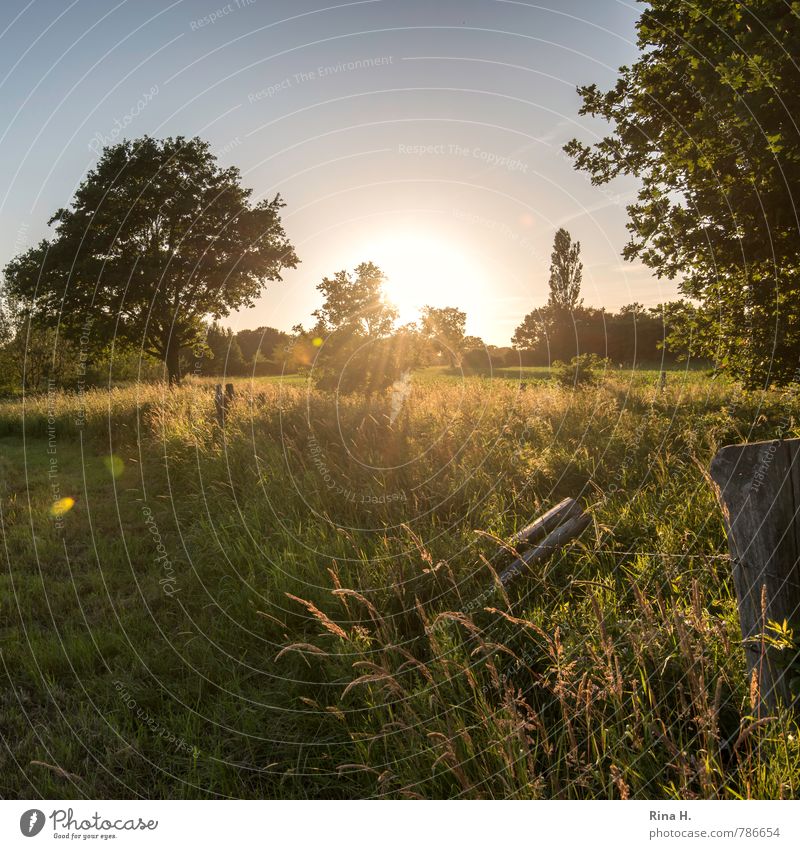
(114, 464)
(62, 506)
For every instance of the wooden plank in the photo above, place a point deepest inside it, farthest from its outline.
(553, 542)
(541, 527)
(759, 491)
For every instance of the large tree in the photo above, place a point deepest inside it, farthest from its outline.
(532, 332)
(707, 120)
(355, 348)
(356, 302)
(157, 240)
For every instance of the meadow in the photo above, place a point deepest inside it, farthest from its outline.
(304, 603)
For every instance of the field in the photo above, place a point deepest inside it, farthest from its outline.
(302, 604)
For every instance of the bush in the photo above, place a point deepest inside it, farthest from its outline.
(583, 370)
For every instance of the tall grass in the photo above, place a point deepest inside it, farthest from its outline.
(340, 630)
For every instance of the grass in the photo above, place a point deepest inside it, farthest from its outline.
(299, 604)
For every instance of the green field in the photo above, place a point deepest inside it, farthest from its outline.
(300, 604)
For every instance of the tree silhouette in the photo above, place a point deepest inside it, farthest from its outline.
(356, 302)
(706, 120)
(553, 326)
(355, 350)
(157, 240)
(566, 273)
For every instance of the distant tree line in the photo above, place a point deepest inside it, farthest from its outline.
(564, 328)
(355, 343)
(259, 352)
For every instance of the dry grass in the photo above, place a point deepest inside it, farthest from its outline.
(340, 631)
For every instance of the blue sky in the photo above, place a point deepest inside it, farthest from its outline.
(425, 136)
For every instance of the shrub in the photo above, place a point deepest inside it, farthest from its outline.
(583, 370)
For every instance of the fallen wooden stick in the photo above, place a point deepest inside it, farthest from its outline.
(541, 527)
(557, 539)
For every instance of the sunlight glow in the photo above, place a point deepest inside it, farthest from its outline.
(427, 270)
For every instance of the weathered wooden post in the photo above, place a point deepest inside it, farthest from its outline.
(219, 404)
(222, 401)
(759, 491)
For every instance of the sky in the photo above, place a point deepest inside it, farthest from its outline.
(423, 135)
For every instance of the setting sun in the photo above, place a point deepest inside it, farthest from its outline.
(423, 269)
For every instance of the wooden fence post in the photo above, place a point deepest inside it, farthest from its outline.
(222, 401)
(219, 404)
(759, 491)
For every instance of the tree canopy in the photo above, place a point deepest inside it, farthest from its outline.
(158, 238)
(356, 302)
(445, 328)
(706, 119)
(552, 324)
(353, 343)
